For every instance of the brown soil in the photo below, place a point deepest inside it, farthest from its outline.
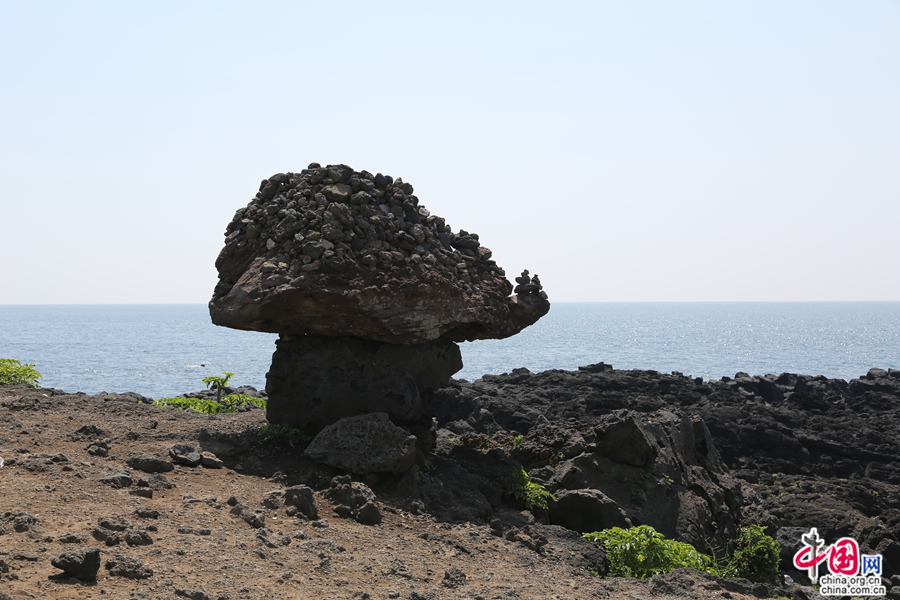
(199, 550)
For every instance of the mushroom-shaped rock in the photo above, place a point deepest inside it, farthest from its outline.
(369, 292)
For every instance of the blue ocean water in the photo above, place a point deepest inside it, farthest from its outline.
(165, 350)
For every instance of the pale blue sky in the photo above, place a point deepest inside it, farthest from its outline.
(625, 151)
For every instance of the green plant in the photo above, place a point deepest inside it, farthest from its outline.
(229, 404)
(218, 383)
(12, 372)
(242, 400)
(517, 441)
(271, 432)
(755, 557)
(529, 494)
(642, 552)
(639, 493)
(208, 407)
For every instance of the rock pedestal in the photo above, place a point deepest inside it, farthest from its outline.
(315, 380)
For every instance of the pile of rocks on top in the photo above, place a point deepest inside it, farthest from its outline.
(321, 217)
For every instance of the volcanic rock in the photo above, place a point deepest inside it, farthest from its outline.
(81, 564)
(185, 454)
(368, 292)
(316, 380)
(331, 251)
(364, 444)
(128, 567)
(149, 463)
(301, 497)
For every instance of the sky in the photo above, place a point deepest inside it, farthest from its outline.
(624, 151)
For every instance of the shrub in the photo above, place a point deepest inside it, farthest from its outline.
(242, 400)
(12, 372)
(529, 494)
(755, 557)
(642, 552)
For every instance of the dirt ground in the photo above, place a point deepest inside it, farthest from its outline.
(52, 500)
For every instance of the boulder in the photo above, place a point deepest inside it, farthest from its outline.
(149, 463)
(81, 564)
(353, 499)
(364, 444)
(301, 497)
(127, 567)
(331, 251)
(185, 454)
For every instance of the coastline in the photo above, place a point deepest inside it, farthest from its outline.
(788, 452)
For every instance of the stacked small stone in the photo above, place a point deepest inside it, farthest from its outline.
(322, 217)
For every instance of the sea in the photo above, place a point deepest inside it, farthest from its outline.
(166, 350)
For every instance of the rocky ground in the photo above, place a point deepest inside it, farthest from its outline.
(692, 458)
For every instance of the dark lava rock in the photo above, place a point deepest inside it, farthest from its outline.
(369, 514)
(117, 524)
(807, 451)
(149, 463)
(273, 499)
(364, 444)
(301, 497)
(454, 578)
(134, 537)
(19, 522)
(81, 564)
(128, 567)
(88, 433)
(185, 454)
(254, 518)
(363, 376)
(117, 479)
(110, 538)
(98, 448)
(354, 500)
(155, 481)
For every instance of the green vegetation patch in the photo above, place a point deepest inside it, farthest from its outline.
(756, 556)
(242, 400)
(12, 372)
(529, 494)
(642, 552)
(228, 404)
